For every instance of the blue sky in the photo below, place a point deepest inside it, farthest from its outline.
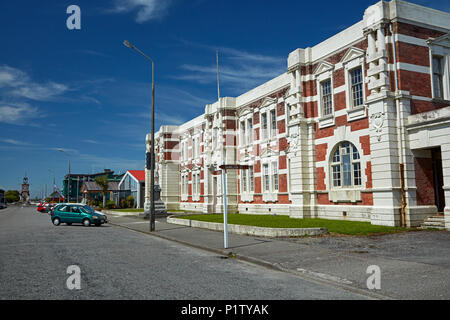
(84, 92)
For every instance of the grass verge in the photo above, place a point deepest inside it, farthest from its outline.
(128, 210)
(268, 221)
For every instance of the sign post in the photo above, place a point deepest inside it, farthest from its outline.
(224, 188)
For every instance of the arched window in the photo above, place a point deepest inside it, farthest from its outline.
(346, 166)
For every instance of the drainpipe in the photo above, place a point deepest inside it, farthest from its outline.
(400, 134)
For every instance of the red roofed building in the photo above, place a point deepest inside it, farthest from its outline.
(132, 183)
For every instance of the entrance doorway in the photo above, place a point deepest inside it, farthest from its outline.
(438, 179)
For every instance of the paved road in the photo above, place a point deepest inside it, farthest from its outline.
(118, 263)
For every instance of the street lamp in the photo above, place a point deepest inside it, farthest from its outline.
(68, 177)
(152, 151)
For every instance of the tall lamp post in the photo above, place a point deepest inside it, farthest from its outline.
(152, 151)
(68, 177)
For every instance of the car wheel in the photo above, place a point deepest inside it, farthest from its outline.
(86, 223)
(56, 221)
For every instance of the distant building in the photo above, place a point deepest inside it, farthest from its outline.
(2, 198)
(76, 182)
(91, 191)
(357, 128)
(25, 191)
(132, 184)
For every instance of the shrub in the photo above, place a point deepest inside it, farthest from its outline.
(123, 203)
(110, 204)
(130, 201)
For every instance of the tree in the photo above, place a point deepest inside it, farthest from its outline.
(130, 201)
(103, 182)
(12, 196)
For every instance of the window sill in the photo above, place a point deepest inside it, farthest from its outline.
(345, 195)
(270, 197)
(356, 113)
(326, 121)
(439, 100)
(247, 197)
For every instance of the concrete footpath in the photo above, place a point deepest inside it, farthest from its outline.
(413, 265)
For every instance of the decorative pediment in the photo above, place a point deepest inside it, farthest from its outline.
(352, 54)
(244, 111)
(268, 101)
(269, 152)
(246, 157)
(443, 41)
(323, 67)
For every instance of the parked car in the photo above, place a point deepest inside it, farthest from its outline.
(77, 213)
(43, 207)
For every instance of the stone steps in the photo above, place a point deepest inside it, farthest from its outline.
(434, 222)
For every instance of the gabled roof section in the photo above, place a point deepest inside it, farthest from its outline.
(443, 41)
(268, 101)
(139, 175)
(322, 67)
(352, 54)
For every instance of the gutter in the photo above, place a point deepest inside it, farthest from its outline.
(400, 135)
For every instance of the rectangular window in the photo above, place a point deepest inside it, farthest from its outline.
(273, 119)
(252, 179)
(357, 174)
(275, 176)
(327, 101)
(250, 131)
(266, 177)
(437, 78)
(336, 175)
(244, 180)
(357, 87)
(264, 126)
(346, 170)
(243, 137)
(194, 150)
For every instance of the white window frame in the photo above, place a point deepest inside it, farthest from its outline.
(352, 60)
(339, 163)
(270, 195)
(269, 134)
(247, 179)
(440, 47)
(324, 72)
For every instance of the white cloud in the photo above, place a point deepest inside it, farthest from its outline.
(146, 9)
(39, 92)
(18, 113)
(239, 70)
(18, 84)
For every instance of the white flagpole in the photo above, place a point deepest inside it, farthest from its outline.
(224, 181)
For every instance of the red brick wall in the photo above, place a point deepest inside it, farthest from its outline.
(424, 181)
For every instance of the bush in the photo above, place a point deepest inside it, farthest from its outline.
(123, 203)
(130, 201)
(110, 204)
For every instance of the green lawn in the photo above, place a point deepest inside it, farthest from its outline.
(128, 210)
(268, 221)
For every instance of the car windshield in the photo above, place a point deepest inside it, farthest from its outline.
(87, 209)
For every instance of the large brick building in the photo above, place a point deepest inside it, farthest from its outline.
(357, 128)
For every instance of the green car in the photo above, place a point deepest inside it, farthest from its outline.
(77, 213)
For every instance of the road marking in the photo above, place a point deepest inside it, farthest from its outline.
(325, 276)
(146, 222)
